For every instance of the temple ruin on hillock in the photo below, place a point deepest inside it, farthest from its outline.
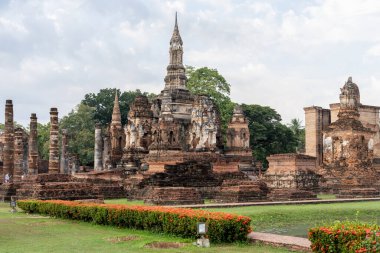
(170, 151)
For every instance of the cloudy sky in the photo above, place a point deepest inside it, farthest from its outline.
(284, 54)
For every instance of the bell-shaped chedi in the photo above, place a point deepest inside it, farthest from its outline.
(348, 146)
(349, 101)
(346, 141)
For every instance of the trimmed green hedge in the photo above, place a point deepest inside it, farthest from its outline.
(222, 227)
(345, 237)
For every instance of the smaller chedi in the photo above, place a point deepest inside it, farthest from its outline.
(345, 142)
(348, 149)
(342, 152)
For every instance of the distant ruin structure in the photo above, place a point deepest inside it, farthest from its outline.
(345, 141)
(342, 152)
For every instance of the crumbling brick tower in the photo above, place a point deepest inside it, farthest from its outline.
(18, 154)
(8, 150)
(116, 134)
(348, 148)
(173, 106)
(54, 139)
(33, 147)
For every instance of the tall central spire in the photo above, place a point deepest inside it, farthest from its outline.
(175, 77)
(176, 40)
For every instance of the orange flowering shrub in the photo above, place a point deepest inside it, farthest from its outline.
(345, 237)
(222, 227)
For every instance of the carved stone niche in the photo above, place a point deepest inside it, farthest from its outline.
(205, 125)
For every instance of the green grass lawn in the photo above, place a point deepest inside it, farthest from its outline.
(296, 219)
(20, 232)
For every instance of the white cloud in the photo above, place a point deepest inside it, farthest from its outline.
(374, 51)
(283, 54)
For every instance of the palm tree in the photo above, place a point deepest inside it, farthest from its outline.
(299, 131)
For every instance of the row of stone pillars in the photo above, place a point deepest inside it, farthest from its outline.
(101, 150)
(13, 151)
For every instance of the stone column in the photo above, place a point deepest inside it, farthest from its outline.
(8, 163)
(18, 154)
(64, 144)
(33, 146)
(53, 147)
(106, 154)
(98, 156)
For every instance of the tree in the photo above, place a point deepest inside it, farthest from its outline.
(299, 131)
(268, 135)
(103, 103)
(43, 137)
(206, 81)
(15, 125)
(80, 126)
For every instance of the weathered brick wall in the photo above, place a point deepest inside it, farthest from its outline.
(292, 171)
(316, 120)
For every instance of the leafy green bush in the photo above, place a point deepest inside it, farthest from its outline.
(345, 237)
(222, 227)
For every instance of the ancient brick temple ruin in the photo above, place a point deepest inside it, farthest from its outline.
(176, 126)
(292, 176)
(171, 138)
(170, 152)
(346, 144)
(22, 173)
(342, 153)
